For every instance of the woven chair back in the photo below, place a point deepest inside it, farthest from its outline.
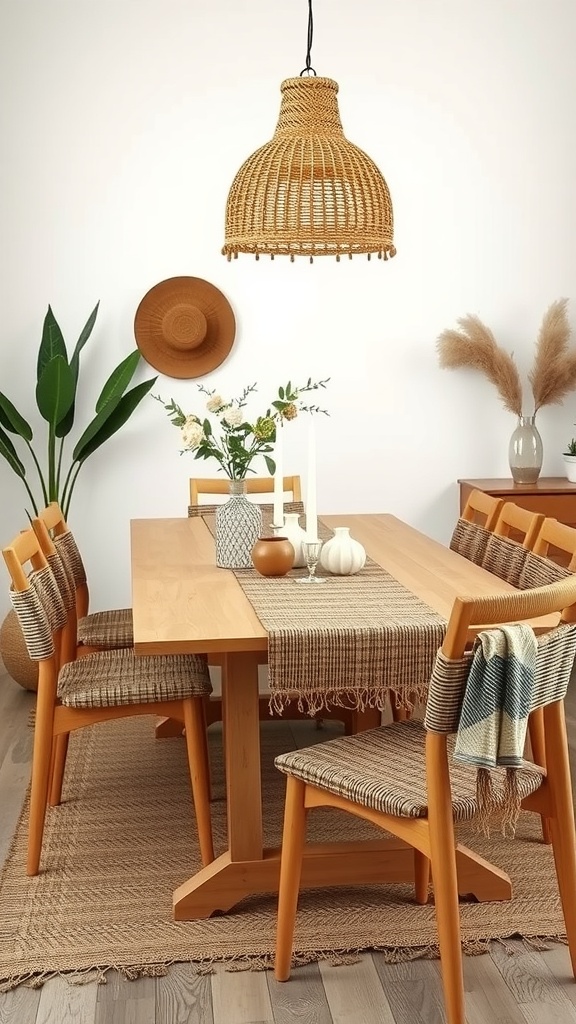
(539, 571)
(210, 486)
(267, 510)
(470, 540)
(554, 661)
(505, 558)
(69, 553)
(555, 655)
(41, 613)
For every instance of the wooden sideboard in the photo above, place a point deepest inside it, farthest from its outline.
(554, 496)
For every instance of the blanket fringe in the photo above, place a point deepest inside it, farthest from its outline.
(502, 810)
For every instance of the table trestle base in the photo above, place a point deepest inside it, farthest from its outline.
(222, 884)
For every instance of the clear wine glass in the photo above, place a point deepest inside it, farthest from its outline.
(311, 549)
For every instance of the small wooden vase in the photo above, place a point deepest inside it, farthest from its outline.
(272, 556)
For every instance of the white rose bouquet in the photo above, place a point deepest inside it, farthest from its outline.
(240, 439)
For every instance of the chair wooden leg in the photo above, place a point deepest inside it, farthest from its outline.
(204, 713)
(421, 877)
(290, 870)
(196, 745)
(443, 858)
(58, 765)
(538, 745)
(40, 778)
(562, 824)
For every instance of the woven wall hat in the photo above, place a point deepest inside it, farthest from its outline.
(184, 327)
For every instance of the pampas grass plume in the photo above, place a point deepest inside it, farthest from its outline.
(475, 348)
(552, 377)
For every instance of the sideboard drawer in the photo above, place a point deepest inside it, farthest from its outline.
(553, 506)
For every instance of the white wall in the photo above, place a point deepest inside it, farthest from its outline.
(122, 124)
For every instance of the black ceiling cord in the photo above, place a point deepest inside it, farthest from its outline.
(309, 70)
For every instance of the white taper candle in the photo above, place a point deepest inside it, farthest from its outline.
(278, 516)
(311, 514)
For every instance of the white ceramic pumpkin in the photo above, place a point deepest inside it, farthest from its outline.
(342, 555)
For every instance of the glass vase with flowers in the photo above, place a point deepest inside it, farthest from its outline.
(236, 440)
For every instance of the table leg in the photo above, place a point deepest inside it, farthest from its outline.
(230, 877)
(369, 719)
(242, 754)
(168, 727)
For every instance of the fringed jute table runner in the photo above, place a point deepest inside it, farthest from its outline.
(345, 643)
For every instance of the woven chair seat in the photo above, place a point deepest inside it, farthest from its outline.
(384, 769)
(108, 629)
(112, 678)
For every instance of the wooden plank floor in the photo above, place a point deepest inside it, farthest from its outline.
(525, 988)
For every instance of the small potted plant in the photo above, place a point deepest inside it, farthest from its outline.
(569, 457)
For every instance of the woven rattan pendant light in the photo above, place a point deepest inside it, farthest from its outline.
(309, 192)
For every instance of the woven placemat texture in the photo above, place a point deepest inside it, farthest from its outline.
(124, 838)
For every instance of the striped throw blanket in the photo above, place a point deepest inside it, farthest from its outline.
(494, 715)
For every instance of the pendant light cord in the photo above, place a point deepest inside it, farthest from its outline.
(309, 70)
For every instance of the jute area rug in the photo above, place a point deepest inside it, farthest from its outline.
(124, 838)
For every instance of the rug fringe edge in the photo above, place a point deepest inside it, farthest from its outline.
(265, 961)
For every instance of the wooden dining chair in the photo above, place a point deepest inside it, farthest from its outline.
(482, 508)
(97, 688)
(475, 525)
(539, 569)
(102, 630)
(204, 488)
(403, 778)
(518, 524)
(554, 538)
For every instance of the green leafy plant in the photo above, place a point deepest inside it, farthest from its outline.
(56, 390)
(571, 447)
(241, 439)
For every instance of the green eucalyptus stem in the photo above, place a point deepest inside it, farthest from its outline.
(42, 483)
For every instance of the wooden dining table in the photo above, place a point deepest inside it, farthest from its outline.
(183, 603)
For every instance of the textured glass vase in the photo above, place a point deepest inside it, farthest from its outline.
(238, 526)
(525, 452)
